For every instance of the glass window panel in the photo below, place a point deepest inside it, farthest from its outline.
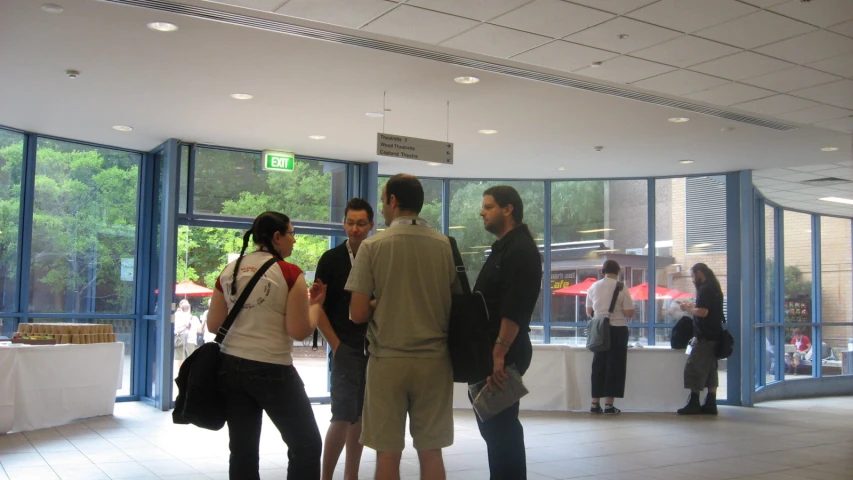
(574, 335)
(466, 225)
(840, 360)
(767, 340)
(836, 291)
(183, 194)
(797, 251)
(433, 208)
(235, 184)
(7, 327)
(769, 260)
(84, 229)
(123, 329)
(11, 170)
(537, 335)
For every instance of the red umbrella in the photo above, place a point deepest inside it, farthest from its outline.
(188, 288)
(676, 294)
(641, 292)
(577, 289)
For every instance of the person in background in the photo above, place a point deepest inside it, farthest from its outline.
(348, 358)
(700, 371)
(256, 373)
(206, 335)
(609, 367)
(802, 344)
(183, 327)
(510, 282)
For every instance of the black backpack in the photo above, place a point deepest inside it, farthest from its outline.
(468, 332)
(682, 332)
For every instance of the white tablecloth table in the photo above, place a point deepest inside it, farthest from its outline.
(559, 380)
(47, 385)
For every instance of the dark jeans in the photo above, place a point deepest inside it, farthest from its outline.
(251, 388)
(608, 368)
(504, 438)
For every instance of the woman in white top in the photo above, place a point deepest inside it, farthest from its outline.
(256, 374)
(608, 368)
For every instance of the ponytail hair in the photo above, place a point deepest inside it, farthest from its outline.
(263, 229)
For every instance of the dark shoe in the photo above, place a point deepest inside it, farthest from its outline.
(611, 410)
(596, 408)
(710, 406)
(692, 407)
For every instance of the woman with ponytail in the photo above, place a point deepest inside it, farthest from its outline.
(256, 374)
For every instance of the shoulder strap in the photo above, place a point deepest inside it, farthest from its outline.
(460, 266)
(244, 295)
(619, 286)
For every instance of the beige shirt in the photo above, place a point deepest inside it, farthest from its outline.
(409, 269)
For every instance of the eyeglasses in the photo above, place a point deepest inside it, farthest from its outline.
(357, 224)
(292, 233)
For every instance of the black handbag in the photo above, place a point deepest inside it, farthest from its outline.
(199, 402)
(726, 342)
(468, 332)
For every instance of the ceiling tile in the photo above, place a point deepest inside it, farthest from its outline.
(822, 13)
(730, 94)
(840, 172)
(820, 113)
(839, 94)
(346, 13)
(741, 65)
(495, 41)
(811, 168)
(564, 56)
(799, 177)
(845, 163)
(774, 173)
(765, 182)
(764, 3)
(625, 70)
(554, 18)
(841, 65)
(265, 5)
(420, 25)
(615, 6)
(480, 10)
(775, 105)
(606, 35)
(691, 15)
(791, 79)
(685, 51)
(754, 30)
(840, 125)
(810, 47)
(845, 28)
(680, 82)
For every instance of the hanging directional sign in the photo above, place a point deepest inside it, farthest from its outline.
(410, 148)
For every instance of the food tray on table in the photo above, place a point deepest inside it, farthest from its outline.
(34, 340)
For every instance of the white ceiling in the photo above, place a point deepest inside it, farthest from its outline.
(178, 84)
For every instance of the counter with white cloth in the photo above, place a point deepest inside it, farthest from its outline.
(559, 380)
(47, 385)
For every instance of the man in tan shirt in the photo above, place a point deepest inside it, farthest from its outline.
(409, 269)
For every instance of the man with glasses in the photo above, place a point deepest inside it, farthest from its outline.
(348, 360)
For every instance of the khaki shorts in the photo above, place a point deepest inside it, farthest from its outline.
(419, 387)
(700, 371)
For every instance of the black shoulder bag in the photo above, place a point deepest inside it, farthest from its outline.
(726, 342)
(198, 401)
(598, 334)
(468, 332)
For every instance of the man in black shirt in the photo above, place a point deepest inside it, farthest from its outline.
(348, 361)
(700, 371)
(510, 282)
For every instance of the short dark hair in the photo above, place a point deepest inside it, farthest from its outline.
(611, 267)
(505, 195)
(359, 205)
(408, 191)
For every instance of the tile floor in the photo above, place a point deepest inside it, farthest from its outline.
(785, 440)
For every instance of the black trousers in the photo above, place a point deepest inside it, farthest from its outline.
(251, 388)
(504, 438)
(608, 368)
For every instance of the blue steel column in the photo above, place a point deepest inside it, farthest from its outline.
(445, 206)
(779, 291)
(369, 184)
(739, 210)
(817, 313)
(546, 275)
(651, 276)
(760, 290)
(166, 277)
(25, 251)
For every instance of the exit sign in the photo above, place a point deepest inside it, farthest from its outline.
(278, 161)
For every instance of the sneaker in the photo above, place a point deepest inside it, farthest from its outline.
(611, 410)
(596, 408)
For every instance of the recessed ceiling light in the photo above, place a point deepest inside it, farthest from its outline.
(317, 137)
(486, 131)
(829, 149)
(163, 26)
(433, 164)
(686, 162)
(466, 80)
(679, 119)
(595, 64)
(52, 8)
(623, 36)
(561, 168)
(845, 201)
(122, 128)
(374, 114)
(241, 96)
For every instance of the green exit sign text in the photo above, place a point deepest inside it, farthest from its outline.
(278, 161)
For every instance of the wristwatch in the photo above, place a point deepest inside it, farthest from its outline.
(501, 341)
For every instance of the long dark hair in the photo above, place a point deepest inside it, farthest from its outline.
(709, 276)
(262, 232)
